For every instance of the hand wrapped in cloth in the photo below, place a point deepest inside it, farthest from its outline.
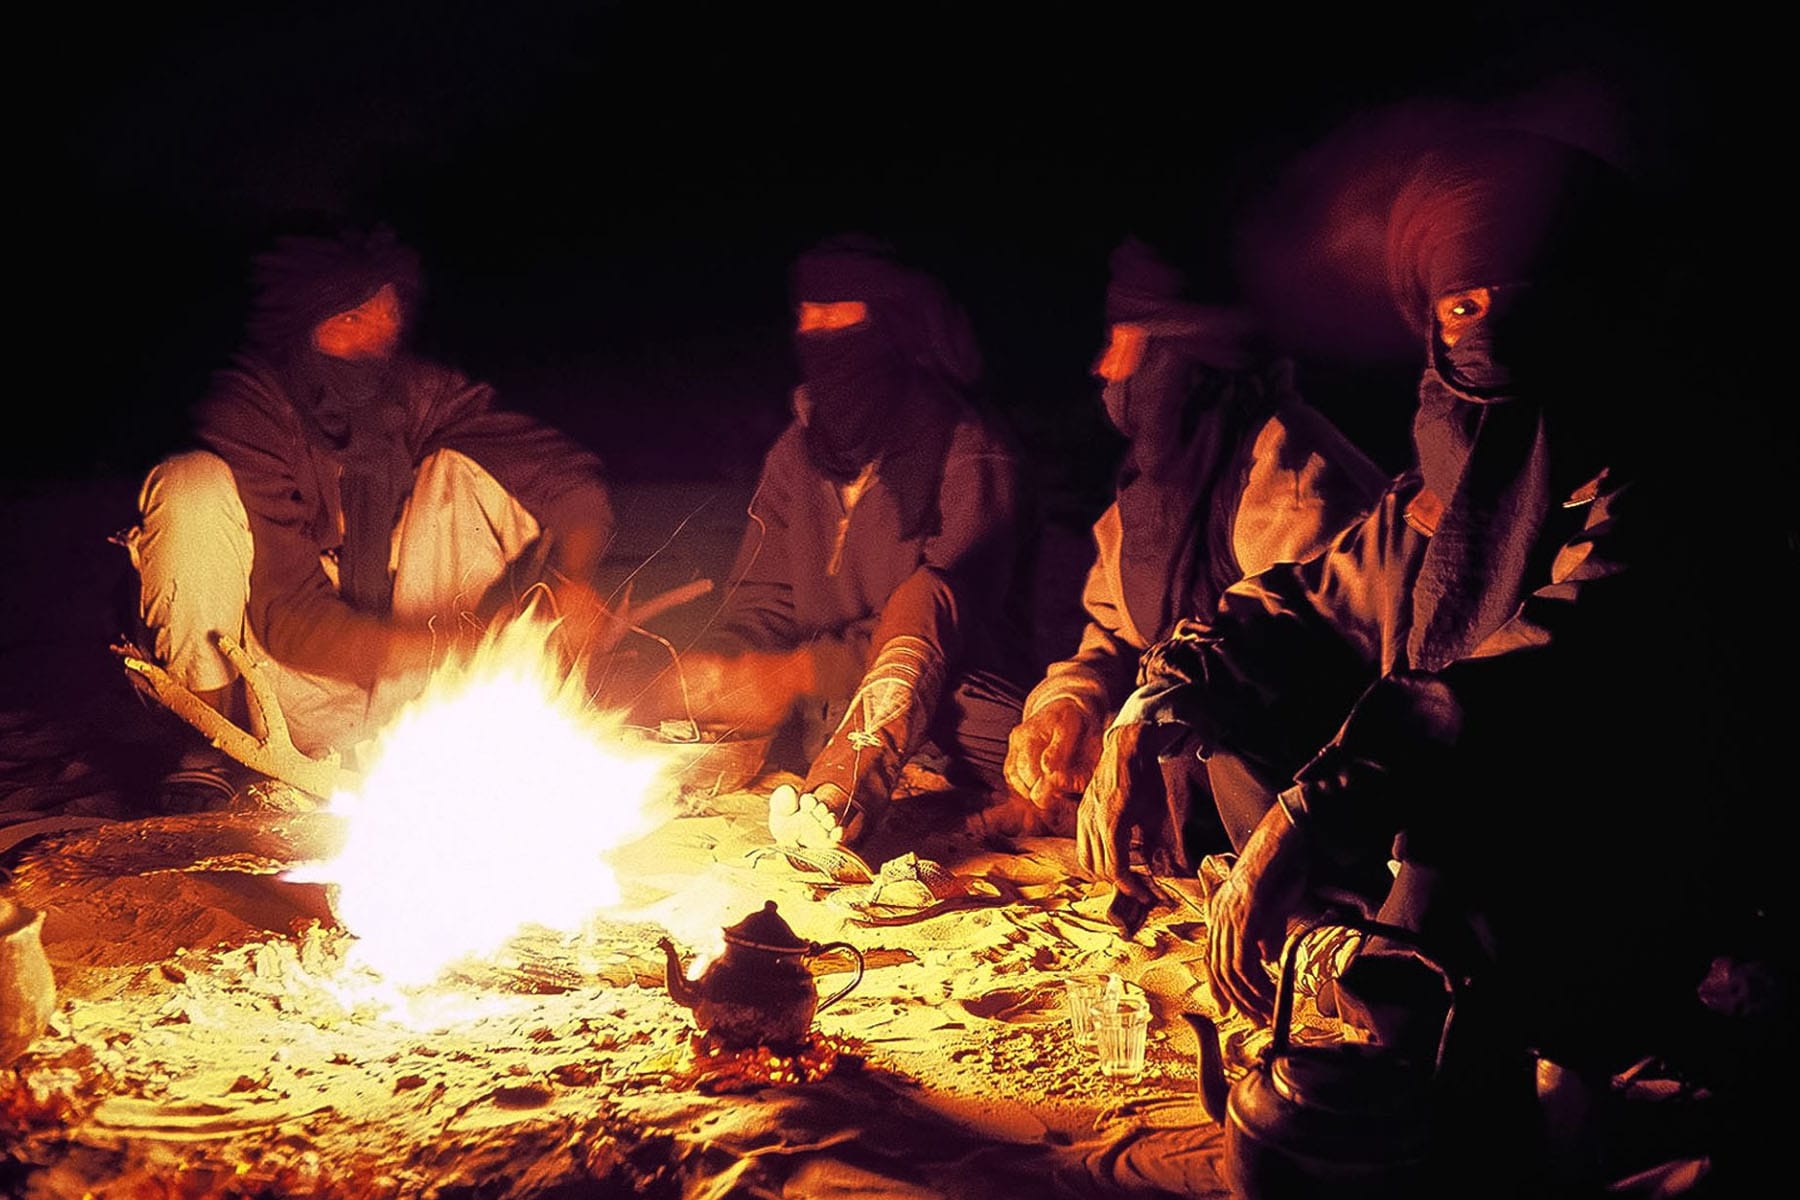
(850, 782)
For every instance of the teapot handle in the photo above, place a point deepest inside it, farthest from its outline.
(1284, 995)
(846, 989)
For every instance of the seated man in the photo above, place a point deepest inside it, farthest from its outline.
(1453, 719)
(347, 507)
(1228, 471)
(875, 603)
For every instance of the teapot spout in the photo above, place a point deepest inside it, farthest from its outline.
(1212, 1066)
(681, 990)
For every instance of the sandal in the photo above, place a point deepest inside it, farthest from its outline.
(837, 865)
(190, 790)
(909, 889)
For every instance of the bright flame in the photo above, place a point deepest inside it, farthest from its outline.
(489, 805)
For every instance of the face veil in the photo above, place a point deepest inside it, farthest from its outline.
(867, 388)
(1513, 256)
(353, 409)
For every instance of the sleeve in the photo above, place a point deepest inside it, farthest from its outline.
(1284, 656)
(1306, 482)
(758, 611)
(559, 481)
(971, 558)
(1100, 673)
(294, 609)
(1549, 675)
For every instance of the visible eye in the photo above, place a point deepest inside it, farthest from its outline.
(1457, 311)
(1468, 305)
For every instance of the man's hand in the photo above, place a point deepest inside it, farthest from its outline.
(420, 649)
(1125, 794)
(585, 626)
(753, 690)
(1051, 754)
(1246, 922)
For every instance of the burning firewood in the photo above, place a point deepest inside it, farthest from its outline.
(273, 754)
(718, 1069)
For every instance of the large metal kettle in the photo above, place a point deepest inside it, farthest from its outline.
(759, 992)
(1346, 1120)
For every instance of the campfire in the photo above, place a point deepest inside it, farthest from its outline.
(472, 856)
(450, 967)
(489, 807)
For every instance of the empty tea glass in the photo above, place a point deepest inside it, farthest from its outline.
(1083, 992)
(1121, 1026)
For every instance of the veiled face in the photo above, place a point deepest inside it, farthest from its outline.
(1124, 351)
(816, 317)
(1460, 311)
(370, 330)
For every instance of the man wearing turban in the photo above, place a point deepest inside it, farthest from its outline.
(347, 505)
(876, 607)
(1442, 721)
(1227, 472)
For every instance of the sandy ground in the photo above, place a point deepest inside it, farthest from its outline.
(202, 1026)
(210, 1037)
(245, 1045)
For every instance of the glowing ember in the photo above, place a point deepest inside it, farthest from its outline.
(489, 806)
(715, 1068)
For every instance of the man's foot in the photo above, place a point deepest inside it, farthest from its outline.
(819, 819)
(202, 781)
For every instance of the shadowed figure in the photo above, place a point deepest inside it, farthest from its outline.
(348, 507)
(876, 607)
(1442, 720)
(1228, 471)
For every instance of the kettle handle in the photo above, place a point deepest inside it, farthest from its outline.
(1284, 995)
(846, 989)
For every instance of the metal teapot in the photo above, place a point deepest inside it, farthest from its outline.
(1346, 1120)
(759, 992)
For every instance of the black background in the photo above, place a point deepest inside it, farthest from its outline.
(607, 195)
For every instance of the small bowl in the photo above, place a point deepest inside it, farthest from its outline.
(717, 761)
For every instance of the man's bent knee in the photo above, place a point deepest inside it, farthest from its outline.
(195, 481)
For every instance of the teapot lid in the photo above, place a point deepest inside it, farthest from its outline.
(765, 930)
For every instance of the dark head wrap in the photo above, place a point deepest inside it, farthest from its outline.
(1205, 385)
(355, 410)
(863, 385)
(302, 279)
(1531, 401)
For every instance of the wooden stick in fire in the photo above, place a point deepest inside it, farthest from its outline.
(274, 754)
(638, 614)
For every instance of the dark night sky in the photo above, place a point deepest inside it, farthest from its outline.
(607, 195)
